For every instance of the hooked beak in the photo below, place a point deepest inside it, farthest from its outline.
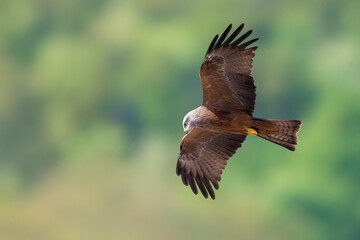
(186, 130)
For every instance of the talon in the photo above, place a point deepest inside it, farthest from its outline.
(250, 131)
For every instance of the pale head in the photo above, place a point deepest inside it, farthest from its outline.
(189, 121)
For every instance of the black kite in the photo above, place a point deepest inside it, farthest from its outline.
(216, 129)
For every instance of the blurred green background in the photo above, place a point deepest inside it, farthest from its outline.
(92, 97)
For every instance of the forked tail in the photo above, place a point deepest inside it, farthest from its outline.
(282, 132)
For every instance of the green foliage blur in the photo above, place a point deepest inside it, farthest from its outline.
(92, 97)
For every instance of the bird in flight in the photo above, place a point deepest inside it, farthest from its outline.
(218, 127)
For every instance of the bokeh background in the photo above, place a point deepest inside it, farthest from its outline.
(92, 97)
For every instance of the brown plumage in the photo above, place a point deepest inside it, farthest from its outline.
(217, 128)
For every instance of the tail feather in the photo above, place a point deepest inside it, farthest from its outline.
(281, 132)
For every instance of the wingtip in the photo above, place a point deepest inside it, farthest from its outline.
(233, 35)
(201, 187)
(178, 169)
(248, 43)
(241, 38)
(212, 44)
(222, 37)
(192, 184)
(215, 184)
(222, 41)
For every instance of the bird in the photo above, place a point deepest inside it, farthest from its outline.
(216, 129)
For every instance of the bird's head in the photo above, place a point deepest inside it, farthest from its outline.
(188, 122)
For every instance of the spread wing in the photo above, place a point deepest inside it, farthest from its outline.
(203, 156)
(225, 75)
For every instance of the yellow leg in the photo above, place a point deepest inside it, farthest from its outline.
(250, 131)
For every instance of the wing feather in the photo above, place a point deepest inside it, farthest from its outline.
(212, 44)
(201, 186)
(223, 36)
(244, 45)
(242, 38)
(203, 157)
(233, 35)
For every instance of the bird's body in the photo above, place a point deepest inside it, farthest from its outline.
(217, 128)
(230, 122)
